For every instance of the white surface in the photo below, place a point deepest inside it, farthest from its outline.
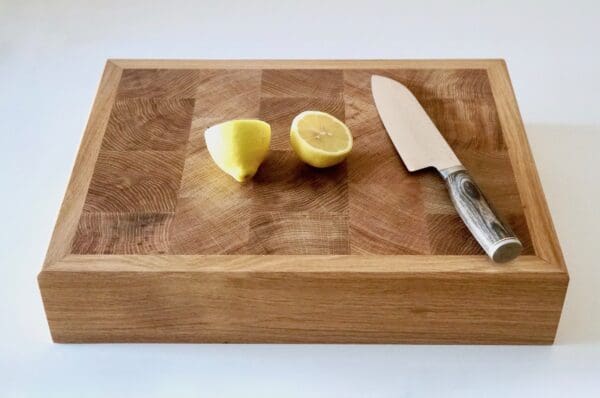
(51, 57)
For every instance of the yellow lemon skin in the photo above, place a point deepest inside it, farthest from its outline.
(319, 139)
(239, 147)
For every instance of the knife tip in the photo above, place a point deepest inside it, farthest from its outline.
(381, 82)
(378, 80)
(374, 78)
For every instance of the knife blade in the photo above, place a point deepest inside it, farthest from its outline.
(421, 145)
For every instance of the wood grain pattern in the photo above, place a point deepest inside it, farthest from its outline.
(470, 125)
(135, 181)
(298, 254)
(285, 184)
(306, 307)
(440, 226)
(210, 227)
(297, 83)
(228, 94)
(127, 233)
(388, 219)
(539, 221)
(70, 210)
(158, 83)
(212, 213)
(148, 124)
(528, 266)
(298, 233)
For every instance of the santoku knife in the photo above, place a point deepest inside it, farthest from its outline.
(421, 145)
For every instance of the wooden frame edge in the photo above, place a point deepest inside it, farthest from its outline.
(303, 63)
(537, 214)
(81, 172)
(450, 265)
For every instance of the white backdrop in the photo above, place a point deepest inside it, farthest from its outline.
(51, 58)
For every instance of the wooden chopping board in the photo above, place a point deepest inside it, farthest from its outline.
(145, 191)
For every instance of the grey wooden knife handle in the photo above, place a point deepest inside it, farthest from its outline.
(494, 236)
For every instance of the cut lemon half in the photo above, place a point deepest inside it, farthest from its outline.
(238, 147)
(320, 139)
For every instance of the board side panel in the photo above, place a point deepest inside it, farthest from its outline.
(72, 205)
(301, 307)
(543, 234)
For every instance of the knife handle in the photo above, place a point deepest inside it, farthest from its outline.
(495, 237)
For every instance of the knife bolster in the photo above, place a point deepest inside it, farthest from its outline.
(446, 172)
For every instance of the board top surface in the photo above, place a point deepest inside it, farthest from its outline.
(144, 185)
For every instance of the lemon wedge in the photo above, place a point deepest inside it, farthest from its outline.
(320, 139)
(238, 147)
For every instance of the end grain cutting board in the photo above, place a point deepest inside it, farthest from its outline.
(155, 244)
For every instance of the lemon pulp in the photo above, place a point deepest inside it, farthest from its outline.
(320, 139)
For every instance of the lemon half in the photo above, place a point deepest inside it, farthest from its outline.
(238, 147)
(320, 139)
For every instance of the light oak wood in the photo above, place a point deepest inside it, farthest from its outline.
(535, 207)
(526, 267)
(70, 211)
(154, 243)
(302, 64)
(305, 307)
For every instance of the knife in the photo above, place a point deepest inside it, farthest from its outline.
(421, 145)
